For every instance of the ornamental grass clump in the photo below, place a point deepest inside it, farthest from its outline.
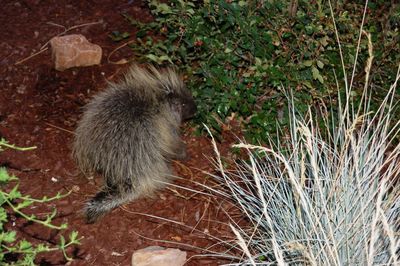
(326, 196)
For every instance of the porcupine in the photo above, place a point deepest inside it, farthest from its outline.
(129, 133)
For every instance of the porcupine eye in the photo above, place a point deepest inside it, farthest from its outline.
(188, 109)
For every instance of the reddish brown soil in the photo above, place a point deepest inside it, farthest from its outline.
(40, 106)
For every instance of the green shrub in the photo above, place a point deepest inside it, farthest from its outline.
(15, 251)
(239, 54)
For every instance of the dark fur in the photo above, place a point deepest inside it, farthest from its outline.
(129, 133)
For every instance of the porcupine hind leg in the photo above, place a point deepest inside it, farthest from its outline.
(109, 198)
(179, 151)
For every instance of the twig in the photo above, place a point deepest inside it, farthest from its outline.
(123, 60)
(186, 170)
(177, 193)
(202, 216)
(68, 29)
(60, 128)
(294, 4)
(32, 55)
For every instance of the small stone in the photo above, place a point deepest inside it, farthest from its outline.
(114, 253)
(21, 89)
(158, 256)
(73, 51)
(197, 216)
(176, 238)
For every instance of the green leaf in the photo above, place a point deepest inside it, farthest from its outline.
(163, 8)
(73, 236)
(227, 50)
(3, 215)
(258, 61)
(24, 245)
(14, 193)
(42, 248)
(324, 41)
(308, 84)
(8, 237)
(159, 59)
(309, 29)
(308, 63)
(3, 175)
(152, 57)
(64, 226)
(24, 204)
(317, 75)
(28, 259)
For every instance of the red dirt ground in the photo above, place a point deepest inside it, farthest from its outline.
(40, 106)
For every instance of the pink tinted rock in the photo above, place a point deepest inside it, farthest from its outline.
(73, 51)
(158, 256)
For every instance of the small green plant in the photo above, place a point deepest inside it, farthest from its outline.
(15, 251)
